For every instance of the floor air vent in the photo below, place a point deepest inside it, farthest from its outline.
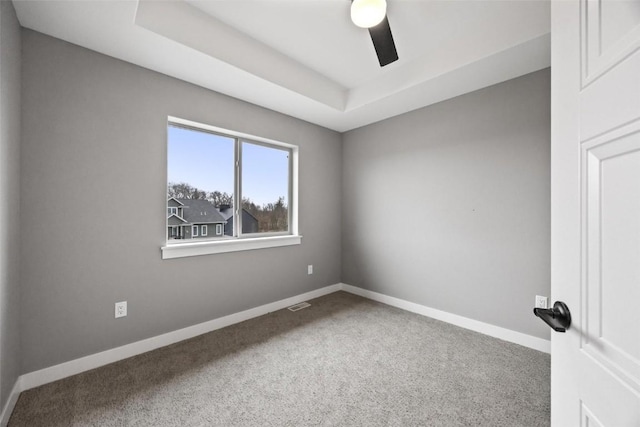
(300, 306)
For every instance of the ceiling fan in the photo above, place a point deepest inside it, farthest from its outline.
(372, 14)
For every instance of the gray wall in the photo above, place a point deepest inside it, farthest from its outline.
(10, 197)
(466, 179)
(464, 187)
(94, 150)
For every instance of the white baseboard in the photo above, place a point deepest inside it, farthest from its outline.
(76, 366)
(83, 364)
(11, 403)
(464, 322)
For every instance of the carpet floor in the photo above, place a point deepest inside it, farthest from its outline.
(344, 361)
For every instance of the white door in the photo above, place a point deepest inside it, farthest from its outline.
(595, 66)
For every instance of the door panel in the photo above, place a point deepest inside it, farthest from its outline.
(611, 253)
(617, 94)
(587, 418)
(619, 18)
(609, 32)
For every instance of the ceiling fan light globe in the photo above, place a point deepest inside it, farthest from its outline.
(368, 13)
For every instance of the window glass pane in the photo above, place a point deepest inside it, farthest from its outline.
(200, 172)
(265, 188)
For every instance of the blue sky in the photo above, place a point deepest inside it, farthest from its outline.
(205, 161)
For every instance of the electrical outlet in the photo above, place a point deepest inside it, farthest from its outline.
(121, 309)
(310, 269)
(541, 302)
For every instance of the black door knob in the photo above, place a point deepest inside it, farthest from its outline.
(558, 317)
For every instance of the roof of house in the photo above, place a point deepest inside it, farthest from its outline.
(200, 212)
(226, 211)
(175, 220)
(176, 202)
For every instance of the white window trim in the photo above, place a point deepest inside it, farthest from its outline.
(219, 231)
(204, 230)
(222, 246)
(194, 231)
(180, 250)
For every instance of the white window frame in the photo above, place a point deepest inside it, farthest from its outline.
(204, 230)
(194, 231)
(219, 230)
(241, 242)
(173, 210)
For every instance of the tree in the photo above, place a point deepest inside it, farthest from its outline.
(270, 216)
(220, 198)
(183, 190)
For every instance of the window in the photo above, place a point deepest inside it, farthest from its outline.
(245, 185)
(265, 188)
(172, 211)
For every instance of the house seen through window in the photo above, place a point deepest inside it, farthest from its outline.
(223, 186)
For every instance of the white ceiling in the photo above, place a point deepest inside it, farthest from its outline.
(305, 58)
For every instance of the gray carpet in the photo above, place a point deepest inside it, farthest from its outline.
(344, 361)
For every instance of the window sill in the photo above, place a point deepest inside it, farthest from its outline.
(181, 250)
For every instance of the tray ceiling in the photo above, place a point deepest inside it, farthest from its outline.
(305, 58)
